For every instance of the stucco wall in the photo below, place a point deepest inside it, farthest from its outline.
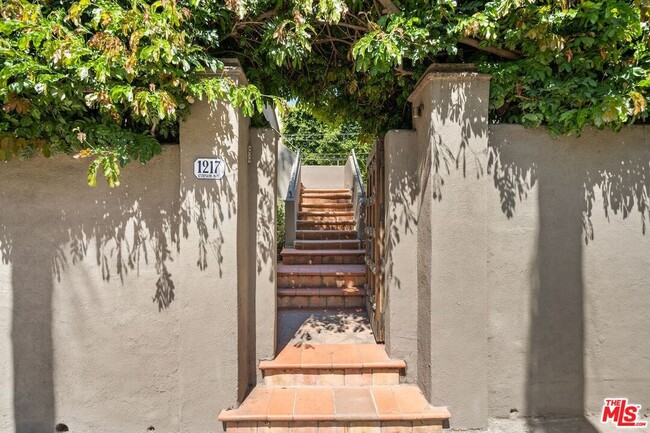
(285, 161)
(516, 263)
(90, 300)
(566, 277)
(451, 247)
(264, 177)
(568, 272)
(323, 176)
(145, 305)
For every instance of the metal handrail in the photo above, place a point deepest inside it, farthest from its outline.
(294, 176)
(357, 171)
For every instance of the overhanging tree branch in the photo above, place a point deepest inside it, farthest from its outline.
(390, 8)
(506, 54)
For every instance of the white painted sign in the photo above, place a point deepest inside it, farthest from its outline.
(209, 168)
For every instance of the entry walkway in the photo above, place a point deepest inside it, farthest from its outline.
(329, 375)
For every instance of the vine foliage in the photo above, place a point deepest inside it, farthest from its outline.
(111, 79)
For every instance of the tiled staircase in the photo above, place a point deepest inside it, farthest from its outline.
(325, 269)
(313, 386)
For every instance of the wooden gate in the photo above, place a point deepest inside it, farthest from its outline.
(375, 294)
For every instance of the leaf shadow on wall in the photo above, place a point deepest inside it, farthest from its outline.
(51, 222)
(571, 175)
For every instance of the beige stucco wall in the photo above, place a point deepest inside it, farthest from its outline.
(451, 250)
(285, 161)
(90, 299)
(565, 283)
(516, 268)
(263, 192)
(568, 270)
(323, 176)
(145, 305)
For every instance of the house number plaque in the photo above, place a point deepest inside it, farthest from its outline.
(209, 168)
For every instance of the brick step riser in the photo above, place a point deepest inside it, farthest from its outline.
(415, 426)
(331, 377)
(326, 194)
(316, 225)
(307, 190)
(297, 301)
(325, 218)
(328, 246)
(325, 236)
(315, 259)
(316, 200)
(325, 207)
(295, 281)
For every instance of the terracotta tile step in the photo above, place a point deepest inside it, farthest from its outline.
(325, 190)
(332, 365)
(322, 291)
(327, 194)
(334, 244)
(325, 206)
(326, 213)
(336, 403)
(326, 218)
(333, 356)
(328, 201)
(325, 225)
(322, 252)
(326, 234)
(321, 297)
(317, 257)
(299, 376)
(320, 223)
(321, 275)
(321, 270)
(336, 426)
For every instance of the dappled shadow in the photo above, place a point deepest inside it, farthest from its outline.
(568, 176)
(306, 327)
(52, 222)
(614, 173)
(57, 217)
(401, 207)
(56, 232)
(458, 120)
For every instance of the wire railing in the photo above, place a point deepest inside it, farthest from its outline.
(327, 158)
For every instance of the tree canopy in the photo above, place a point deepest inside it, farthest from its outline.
(111, 79)
(323, 143)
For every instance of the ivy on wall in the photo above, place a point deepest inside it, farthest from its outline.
(111, 79)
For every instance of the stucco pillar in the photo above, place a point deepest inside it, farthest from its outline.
(450, 109)
(400, 248)
(213, 282)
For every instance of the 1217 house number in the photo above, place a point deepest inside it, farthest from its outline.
(209, 168)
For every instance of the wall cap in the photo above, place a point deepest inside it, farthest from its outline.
(449, 72)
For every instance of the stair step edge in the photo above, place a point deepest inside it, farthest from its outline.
(321, 252)
(321, 291)
(436, 414)
(392, 364)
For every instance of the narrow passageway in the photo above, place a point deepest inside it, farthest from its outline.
(329, 374)
(321, 297)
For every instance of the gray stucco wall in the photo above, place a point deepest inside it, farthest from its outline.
(90, 298)
(566, 281)
(145, 305)
(568, 268)
(264, 175)
(516, 263)
(285, 161)
(451, 244)
(323, 176)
